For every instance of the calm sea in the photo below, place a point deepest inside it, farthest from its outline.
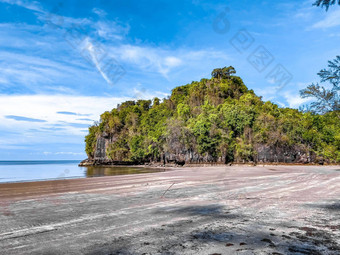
(21, 171)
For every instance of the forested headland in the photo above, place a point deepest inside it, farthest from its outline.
(217, 120)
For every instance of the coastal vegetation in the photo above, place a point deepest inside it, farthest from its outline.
(325, 98)
(214, 120)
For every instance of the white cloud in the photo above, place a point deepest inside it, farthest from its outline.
(99, 12)
(172, 61)
(280, 104)
(267, 93)
(164, 61)
(147, 94)
(111, 30)
(36, 68)
(37, 74)
(61, 134)
(92, 50)
(294, 100)
(30, 5)
(143, 58)
(50, 17)
(69, 153)
(46, 107)
(332, 19)
(304, 10)
(106, 29)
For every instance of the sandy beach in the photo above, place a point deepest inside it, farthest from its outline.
(196, 210)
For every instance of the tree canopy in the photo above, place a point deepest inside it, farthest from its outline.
(223, 73)
(215, 120)
(326, 3)
(327, 99)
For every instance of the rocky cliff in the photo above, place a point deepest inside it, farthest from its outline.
(264, 154)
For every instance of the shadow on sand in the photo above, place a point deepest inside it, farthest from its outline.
(194, 229)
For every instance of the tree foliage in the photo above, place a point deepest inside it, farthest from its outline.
(326, 3)
(223, 73)
(215, 119)
(327, 99)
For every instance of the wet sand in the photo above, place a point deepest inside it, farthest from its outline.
(196, 210)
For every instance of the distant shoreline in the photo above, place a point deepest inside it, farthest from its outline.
(38, 162)
(86, 163)
(165, 168)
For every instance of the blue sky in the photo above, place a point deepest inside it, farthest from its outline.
(63, 63)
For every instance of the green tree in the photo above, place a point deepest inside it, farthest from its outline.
(326, 99)
(223, 73)
(326, 3)
(90, 141)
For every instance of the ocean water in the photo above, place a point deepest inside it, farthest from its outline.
(17, 171)
(35, 170)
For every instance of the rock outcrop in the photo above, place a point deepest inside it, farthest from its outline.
(264, 154)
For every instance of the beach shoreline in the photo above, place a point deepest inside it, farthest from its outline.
(217, 209)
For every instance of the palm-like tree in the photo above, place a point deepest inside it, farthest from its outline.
(326, 3)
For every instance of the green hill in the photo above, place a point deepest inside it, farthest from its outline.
(213, 120)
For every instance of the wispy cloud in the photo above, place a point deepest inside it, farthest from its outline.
(141, 93)
(36, 115)
(294, 100)
(332, 19)
(76, 125)
(69, 153)
(64, 27)
(148, 58)
(111, 30)
(73, 113)
(85, 119)
(165, 61)
(35, 121)
(38, 73)
(22, 118)
(94, 57)
(99, 12)
(30, 5)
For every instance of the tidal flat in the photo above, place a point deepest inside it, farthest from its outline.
(193, 210)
